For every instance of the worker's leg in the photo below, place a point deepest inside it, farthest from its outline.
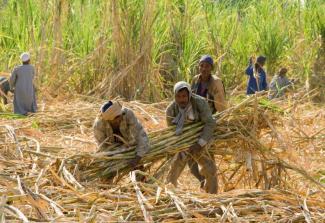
(194, 167)
(209, 171)
(177, 167)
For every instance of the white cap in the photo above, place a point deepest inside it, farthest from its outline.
(25, 57)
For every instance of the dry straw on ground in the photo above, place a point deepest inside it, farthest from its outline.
(49, 167)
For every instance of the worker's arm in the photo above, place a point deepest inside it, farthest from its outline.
(99, 133)
(209, 123)
(141, 137)
(170, 114)
(249, 71)
(219, 96)
(34, 79)
(194, 84)
(287, 82)
(12, 80)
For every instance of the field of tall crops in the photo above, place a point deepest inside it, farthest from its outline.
(139, 48)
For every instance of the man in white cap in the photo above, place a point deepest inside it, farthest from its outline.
(21, 82)
(187, 108)
(117, 124)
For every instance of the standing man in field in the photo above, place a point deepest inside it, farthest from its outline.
(22, 83)
(117, 124)
(257, 76)
(209, 86)
(212, 89)
(188, 108)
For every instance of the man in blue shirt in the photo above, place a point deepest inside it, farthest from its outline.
(257, 76)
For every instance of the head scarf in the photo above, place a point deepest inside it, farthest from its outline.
(110, 110)
(206, 58)
(179, 120)
(181, 85)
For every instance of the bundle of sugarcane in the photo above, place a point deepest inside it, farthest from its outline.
(241, 122)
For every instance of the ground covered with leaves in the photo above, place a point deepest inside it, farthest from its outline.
(270, 159)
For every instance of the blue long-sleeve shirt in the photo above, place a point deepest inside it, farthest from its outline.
(252, 82)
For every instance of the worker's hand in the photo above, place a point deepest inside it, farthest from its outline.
(195, 148)
(251, 60)
(134, 162)
(293, 80)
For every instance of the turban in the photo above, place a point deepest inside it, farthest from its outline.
(207, 58)
(111, 110)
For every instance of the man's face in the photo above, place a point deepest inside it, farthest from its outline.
(205, 69)
(283, 72)
(182, 98)
(262, 63)
(116, 122)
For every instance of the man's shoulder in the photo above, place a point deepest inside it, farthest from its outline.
(196, 78)
(200, 104)
(99, 122)
(17, 67)
(217, 83)
(171, 106)
(198, 100)
(128, 114)
(276, 78)
(216, 79)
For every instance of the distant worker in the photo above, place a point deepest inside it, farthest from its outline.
(188, 108)
(4, 89)
(22, 83)
(209, 86)
(279, 84)
(117, 124)
(257, 76)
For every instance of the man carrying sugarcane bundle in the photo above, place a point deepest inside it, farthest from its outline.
(117, 124)
(212, 89)
(188, 108)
